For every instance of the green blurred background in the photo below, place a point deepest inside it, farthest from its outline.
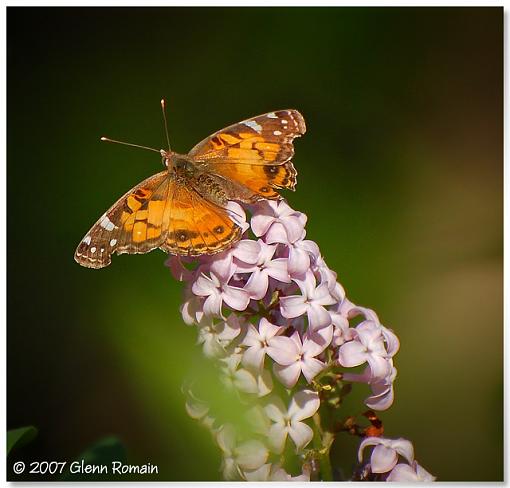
(400, 174)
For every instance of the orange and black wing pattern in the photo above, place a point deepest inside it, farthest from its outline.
(135, 224)
(197, 226)
(255, 153)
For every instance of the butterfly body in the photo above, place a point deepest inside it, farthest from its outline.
(183, 209)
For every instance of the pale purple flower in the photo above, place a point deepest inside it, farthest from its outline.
(328, 276)
(368, 346)
(293, 356)
(208, 337)
(382, 388)
(311, 302)
(257, 342)
(264, 268)
(382, 392)
(179, 272)
(217, 290)
(248, 455)
(278, 222)
(192, 309)
(227, 330)
(342, 332)
(198, 410)
(258, 383)
(289, 421)
(301, 254)
(194, 407)
(386, 452)
(215, 337)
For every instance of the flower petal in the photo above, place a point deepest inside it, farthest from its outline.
(383, 459)
(404, 448)
(247, 251)
(293, 306)
(245, 381)
(203, 286)
(277, 269)
(275, 409)
(402, 473)
(267, 330)
(226, 438)
(212, 304)
(277, 233)
(179, 272)
(311, 367)
(283, 350)
(236, 298)
(294, 227)
(251, 454)
(288, 375)
(352, 354)
(318, 316)
(253, 357)
(299, 261)
(303, 405)
(264, 383)
(261, 221)
(276, 437)
(257, 284)
(301, 434)
(260, 474)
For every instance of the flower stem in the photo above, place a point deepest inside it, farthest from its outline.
(322, 443)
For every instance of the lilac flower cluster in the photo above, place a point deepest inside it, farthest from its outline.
(275, 319)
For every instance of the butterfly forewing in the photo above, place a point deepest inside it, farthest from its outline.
(255, 152)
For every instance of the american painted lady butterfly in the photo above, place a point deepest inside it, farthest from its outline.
(182, 210)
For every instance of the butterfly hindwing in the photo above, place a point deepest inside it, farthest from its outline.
(255, 153)
(135, 224)
(198, 226)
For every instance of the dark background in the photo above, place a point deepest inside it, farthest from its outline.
(400, 174)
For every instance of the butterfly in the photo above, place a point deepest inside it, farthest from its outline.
(183, 209)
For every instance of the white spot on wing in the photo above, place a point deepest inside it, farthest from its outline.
(86, 240)
(253, 125)
(272, 115)
(277, 133)
(284, 121)
(113, 242)
(93, 250)
(107, 224)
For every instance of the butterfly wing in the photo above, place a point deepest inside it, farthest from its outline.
(255, 153)
(198, 226)
(159, 212)
(135, 224)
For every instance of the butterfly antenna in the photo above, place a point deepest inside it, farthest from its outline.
(163, 109)
(107, 139)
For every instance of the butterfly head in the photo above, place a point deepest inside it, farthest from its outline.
(179, 165)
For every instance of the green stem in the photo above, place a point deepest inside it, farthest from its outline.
(322, 444)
